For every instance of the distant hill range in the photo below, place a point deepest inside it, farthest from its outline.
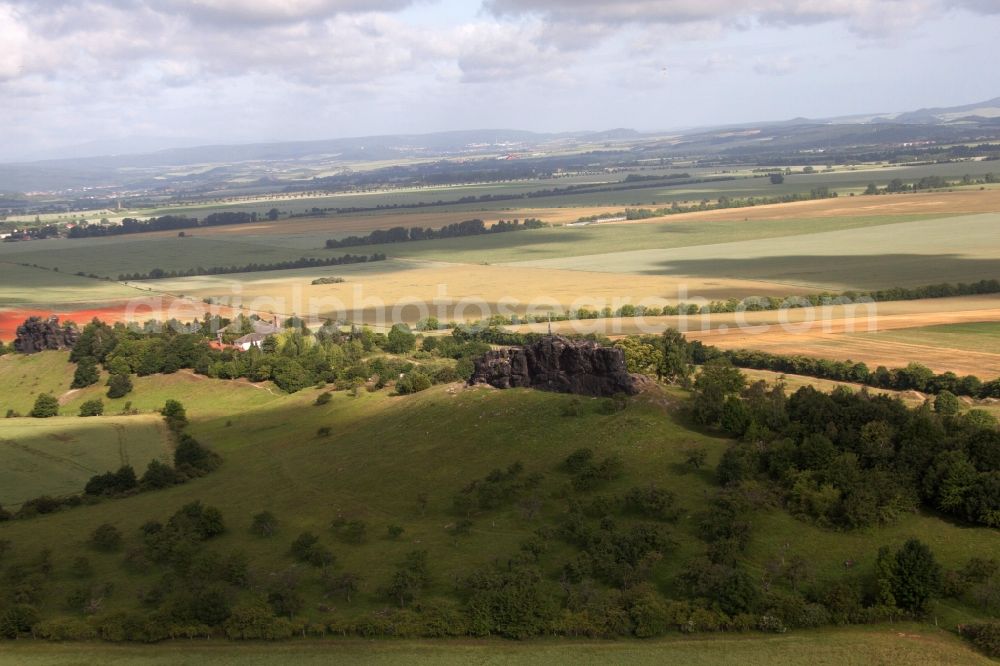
(109, 165)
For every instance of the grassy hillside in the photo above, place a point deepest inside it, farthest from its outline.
(383, 453)
(56, 456)
(22, 378)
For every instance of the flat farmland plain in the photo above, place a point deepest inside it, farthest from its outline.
(452, 291)
(954, 249)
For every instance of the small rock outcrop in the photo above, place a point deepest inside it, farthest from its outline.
(557, 364)
(37, 334)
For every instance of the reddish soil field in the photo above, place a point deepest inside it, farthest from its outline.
(161, 308)
(11, 319)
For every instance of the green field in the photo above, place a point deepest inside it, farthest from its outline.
(597, 240)
(902, 644)
(129, 254)
(26, 287)
(108, 257)
(958, 249)
(56, 456)
(976, 337)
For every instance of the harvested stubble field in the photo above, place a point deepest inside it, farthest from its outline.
(830, 332)
(452, 291)
(944, 203)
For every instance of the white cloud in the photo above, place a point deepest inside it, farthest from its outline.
(866, 17)
(15, 41)
(74, 68)
(776, 66)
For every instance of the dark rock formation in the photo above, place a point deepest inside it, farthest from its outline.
(557, 364)
(37, 334)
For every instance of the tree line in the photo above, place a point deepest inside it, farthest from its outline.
(757, 303)
(455, 230)
(548, 192)
(706, 204)
(914, 377)
(897, 185)
(303, 262)
(131, 225)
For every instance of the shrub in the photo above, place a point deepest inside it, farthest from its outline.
(93, 407)
(106, 537)
(400, 340)
(86, 373)
(353, 531)
(413, 382)
(158, 475)
(119, 385)
(916, 577)
(80, 568)
(323, 398)
(64, 629)
(264, 524)
(985, 636)
(695, 457)
(306, 548)
(45, 406)
(175, 415)
(17, 620)
(112, 483)
(651, 502)
(946, 404)
(190, 454)
(256, 621)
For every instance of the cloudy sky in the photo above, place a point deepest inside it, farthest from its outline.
(79, 71)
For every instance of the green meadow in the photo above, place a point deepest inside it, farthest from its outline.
(976, 337)
(56, 456)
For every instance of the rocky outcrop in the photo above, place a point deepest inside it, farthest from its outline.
(557, 364)
(37, 334)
